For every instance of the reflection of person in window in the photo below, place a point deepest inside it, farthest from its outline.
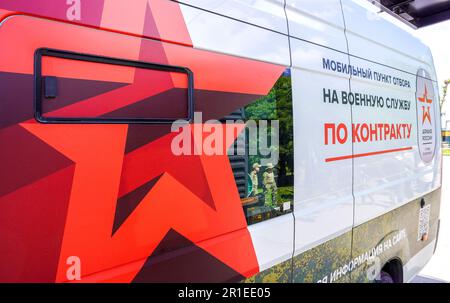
(270, 187)
(254, 178)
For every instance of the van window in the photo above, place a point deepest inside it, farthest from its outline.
(81, 88)
(264, 172)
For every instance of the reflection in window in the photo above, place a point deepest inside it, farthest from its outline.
(266, 182)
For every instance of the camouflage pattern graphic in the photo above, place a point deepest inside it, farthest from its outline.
(322, 260)
(392, 235)
(280, 273)
(391, 224)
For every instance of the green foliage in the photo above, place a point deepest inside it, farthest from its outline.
(285, 194)
(264, 108)
(277, 105)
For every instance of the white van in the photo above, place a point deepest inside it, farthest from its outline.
(336, 176)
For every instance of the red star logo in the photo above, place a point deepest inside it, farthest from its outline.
(426, 109)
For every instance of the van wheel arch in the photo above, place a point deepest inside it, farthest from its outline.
(394, 267)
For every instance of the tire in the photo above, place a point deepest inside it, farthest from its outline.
(385, 278)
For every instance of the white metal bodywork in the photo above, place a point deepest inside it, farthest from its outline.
(330, 197)
(219, 33)
(417, 262)
(257, 30)
(388, 181)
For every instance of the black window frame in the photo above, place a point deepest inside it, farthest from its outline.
(38, 88)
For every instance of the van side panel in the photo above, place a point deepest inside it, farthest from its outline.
(323, 197)
(114, 198)
(113, 195)
(405, 164)
(396, 235)
(397, 171)
(251, 37)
